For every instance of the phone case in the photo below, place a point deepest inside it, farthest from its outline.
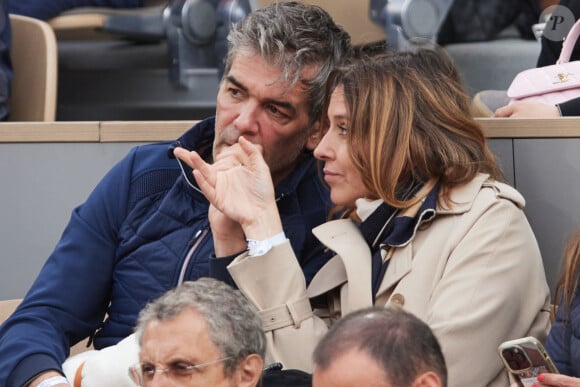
(526, 358)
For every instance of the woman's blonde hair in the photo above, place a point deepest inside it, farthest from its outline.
(410, 122)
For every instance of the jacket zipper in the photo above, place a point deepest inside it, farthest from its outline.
(197, 239)
(200, 234)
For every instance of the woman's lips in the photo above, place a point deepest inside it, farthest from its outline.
(330, 176)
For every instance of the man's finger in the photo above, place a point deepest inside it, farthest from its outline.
(183, 155)
(207, 188)
(205, 169)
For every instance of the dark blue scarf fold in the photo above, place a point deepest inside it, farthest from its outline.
(384, 228)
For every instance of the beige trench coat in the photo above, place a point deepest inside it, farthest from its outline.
(474, 274)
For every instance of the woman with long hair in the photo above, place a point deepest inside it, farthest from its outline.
(426, 224)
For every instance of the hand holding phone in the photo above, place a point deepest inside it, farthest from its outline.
(526, 358)
(557, 380)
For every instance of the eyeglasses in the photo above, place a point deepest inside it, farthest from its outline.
(142, 374)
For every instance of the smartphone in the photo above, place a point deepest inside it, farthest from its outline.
(525, 359)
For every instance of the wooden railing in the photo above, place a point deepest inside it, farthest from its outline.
(93, 131)
(145, 131)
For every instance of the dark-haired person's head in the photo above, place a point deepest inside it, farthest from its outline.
(379, 347)
(278, 62)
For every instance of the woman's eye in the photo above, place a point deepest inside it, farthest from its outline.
(342, 130)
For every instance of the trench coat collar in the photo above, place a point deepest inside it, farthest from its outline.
(352, 254)
(463, 196)
(352, 262)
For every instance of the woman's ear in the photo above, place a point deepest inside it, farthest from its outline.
(427, 379)
(316, 134)
(249, 371)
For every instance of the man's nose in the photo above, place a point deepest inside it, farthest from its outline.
(247, 120)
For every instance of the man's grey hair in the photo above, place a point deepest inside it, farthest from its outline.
(292, 36)
(399, 342)
(233, 322)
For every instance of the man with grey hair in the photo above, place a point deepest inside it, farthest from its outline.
(145, 229)
(381, 347)
(201, 333)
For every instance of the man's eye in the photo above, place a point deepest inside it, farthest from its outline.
(182, 369)
(274, 110)
(148, 368)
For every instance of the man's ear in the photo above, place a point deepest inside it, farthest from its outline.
(316, 134)
(427, 379)
(249, 371)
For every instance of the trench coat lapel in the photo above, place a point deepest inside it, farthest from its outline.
(461, 199)
(344, 238)
(399, 266)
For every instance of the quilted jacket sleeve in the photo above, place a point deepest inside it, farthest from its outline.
(70, 296)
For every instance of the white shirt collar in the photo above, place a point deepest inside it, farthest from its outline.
(365, 207)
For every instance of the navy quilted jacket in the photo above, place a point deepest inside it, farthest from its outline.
(142, 230)
(43, 9)
(563, 343)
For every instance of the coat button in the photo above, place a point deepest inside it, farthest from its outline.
(398, 299)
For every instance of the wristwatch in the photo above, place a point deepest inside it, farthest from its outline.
(257, 248)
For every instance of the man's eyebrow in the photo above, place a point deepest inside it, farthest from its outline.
(283, 104)
(238, 84)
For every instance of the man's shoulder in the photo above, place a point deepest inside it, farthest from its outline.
(151, 169)
(151, 157)
(304, 193)
(305, 182)
(160, 154)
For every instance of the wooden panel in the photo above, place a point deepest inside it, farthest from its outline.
(151, 131)
(86, 131)
(531, 127)
(76, 21)
(142, 131)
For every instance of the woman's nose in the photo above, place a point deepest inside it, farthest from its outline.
(323, 151)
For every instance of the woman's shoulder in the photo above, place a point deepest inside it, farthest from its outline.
(505, 191)
(482, 191)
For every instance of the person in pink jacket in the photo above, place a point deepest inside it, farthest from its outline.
(424, 222)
